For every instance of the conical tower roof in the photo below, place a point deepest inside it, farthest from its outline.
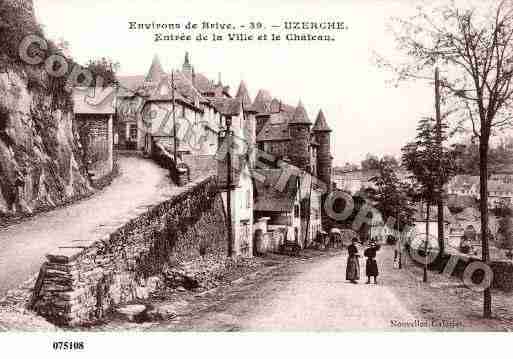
(275, 105)
(243, 95)
(320, 123)
(300, 116)
(262, 102)
(156, 71)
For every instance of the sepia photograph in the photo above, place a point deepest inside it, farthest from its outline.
(255, 167)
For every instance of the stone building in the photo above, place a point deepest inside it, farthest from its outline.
(202, 107)
(286, 133)
(146, 108)
(279, 209)
(241, 197)
(94, 123)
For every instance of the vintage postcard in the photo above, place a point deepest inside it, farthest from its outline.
(255, 166)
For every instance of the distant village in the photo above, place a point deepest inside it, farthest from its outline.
(461, 212)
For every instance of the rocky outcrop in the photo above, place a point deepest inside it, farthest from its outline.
(40, 161)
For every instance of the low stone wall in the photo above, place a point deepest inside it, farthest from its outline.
(78, 286)
(502, 270)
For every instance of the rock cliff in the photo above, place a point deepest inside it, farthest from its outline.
(40, 156)
(40, 162)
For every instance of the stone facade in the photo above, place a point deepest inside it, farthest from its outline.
(324, 158)
(299, 146)
(78, 285)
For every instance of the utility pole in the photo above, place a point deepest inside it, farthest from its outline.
(426, 243)
(439, 200)
(228, 138)
(174, 116)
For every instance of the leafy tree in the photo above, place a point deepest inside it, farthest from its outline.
(432, 166)
(14, 27)
(390, 195)
(473, 44)
(505, 233)
(371, 162)
(103, 68)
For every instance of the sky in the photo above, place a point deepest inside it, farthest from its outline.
(366, 114)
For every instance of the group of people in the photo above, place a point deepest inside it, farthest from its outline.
(353, 262)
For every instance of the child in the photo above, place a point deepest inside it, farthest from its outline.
(371, 266)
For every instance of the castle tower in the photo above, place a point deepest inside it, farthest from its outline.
(261, 106)
(324, 160)
(156, 72)
(275, 106)
(299, 145)
(243, 95)
(249, 119)
(187, 67)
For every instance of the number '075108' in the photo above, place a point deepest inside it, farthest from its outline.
(64, 345)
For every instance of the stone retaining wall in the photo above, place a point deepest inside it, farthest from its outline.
(78, 285)
(502, 270)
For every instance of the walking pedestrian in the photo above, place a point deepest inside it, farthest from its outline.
(353, 263)
(371, 265)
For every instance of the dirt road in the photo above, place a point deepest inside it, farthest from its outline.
(24, 245)
(310, 295)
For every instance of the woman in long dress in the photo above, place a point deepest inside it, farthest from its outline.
(353, 263)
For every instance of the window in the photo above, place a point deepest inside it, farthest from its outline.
(132, 132)
(248, 199)
(296, 211)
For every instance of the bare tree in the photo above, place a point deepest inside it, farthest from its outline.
(473, 46)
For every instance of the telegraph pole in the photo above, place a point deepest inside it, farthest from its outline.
(439, 201)
(174, 116)
(228, 138)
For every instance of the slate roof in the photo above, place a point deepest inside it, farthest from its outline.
(227, 106)
(268, 198)
(320, 123)
(156, 71)
(243, 95)
(275, 106)
(129, 85)
(262, 102)
(274, 132)
(468, 214)
(300, 116)
(184, 91)
(204, 84)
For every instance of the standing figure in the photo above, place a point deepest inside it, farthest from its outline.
(353, 263)
(371, 265)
